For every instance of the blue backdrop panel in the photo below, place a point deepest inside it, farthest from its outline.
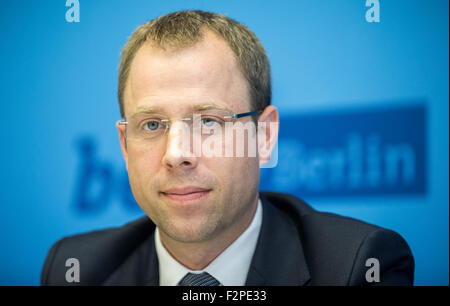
(355, 153)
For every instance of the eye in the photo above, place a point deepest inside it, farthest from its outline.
(209, 121)
(152, 125)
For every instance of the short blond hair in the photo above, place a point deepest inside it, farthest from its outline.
(184, 28)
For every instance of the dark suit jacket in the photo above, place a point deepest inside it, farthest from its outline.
(297, 245)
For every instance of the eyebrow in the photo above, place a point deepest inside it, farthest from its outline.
(146, 110)
(210, 106)
(199, 107)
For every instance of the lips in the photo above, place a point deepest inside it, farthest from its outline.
(185, 194)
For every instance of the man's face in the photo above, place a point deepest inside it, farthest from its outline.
(190, 199)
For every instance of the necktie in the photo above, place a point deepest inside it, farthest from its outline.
(201, 279)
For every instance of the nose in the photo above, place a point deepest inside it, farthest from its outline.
(179, 153)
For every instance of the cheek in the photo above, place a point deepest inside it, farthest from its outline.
(143, 164)
(232, 170)
(246, 171)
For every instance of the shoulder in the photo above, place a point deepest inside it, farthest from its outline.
(98, 251)
(311, 220)
(337, 247)
(321, 232)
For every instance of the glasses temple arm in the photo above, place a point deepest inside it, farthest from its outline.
(236, 116)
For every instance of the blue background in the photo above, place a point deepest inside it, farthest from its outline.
(58, 85)
(362, 152)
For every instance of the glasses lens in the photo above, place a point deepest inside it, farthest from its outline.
(146, 128)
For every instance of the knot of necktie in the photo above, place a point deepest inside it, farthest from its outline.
(198, 279)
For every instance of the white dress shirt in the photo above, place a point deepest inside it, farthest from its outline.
(230, 268)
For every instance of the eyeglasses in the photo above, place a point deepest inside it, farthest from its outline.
(152, 127)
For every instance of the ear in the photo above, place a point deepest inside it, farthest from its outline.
(268, 127)
(123, 142)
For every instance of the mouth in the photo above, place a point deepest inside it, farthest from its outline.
(185, 194)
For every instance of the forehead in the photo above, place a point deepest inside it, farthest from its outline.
(177, 81)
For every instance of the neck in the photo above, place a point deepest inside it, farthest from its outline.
(198, 255)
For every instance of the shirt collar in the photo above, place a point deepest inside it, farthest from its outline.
(230, 268)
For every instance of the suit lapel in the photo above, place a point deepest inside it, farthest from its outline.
(278, 257)
(139, 269)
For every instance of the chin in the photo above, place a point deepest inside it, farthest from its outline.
(189, 231)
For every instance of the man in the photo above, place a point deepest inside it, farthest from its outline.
(207, 223)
